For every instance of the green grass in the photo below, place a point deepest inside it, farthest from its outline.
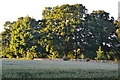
(57, 69)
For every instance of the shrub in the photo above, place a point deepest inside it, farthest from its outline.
(30, 55)
(115, 59)
(53, 55)
(100, 55)
(71, 56)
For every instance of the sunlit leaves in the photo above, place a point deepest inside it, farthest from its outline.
(66, 30)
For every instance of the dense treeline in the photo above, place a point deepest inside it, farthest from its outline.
(64, 31)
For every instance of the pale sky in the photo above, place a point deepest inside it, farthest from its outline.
(10, 10)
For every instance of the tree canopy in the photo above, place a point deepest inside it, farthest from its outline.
(64, 31)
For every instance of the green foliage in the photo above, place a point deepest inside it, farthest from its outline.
(100, 32)
(64, 31)
(82, 56)
(53, 55)
(113, 55)
(109, 57)
(77, 53)
(117, 25)
(61, 24)
(30, 55)
(19, 37)
(100, 55)
(71, 56)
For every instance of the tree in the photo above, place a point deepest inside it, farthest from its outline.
(101, 32)
(117, 26)
(65, 31)
(61, 23)
(22, 37)
(5, 35)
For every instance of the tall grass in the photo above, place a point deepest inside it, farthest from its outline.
(57, 69)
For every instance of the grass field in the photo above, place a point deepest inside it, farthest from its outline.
(12, 68)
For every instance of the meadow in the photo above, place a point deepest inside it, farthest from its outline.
(13, 68)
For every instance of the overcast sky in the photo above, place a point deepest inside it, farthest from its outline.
(12, 9)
